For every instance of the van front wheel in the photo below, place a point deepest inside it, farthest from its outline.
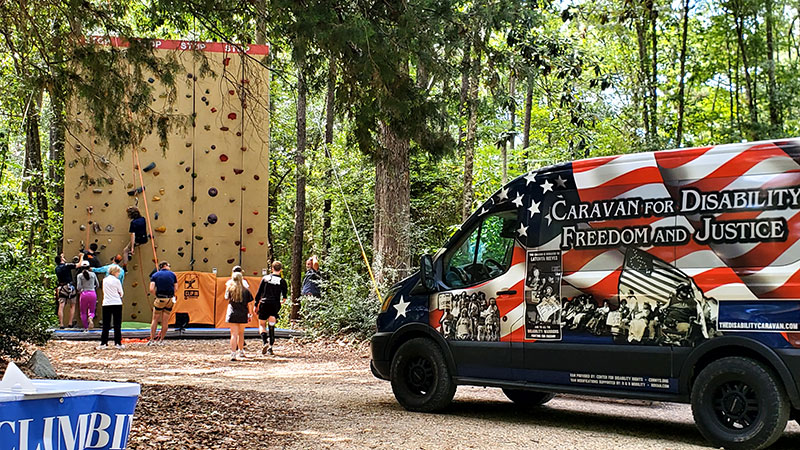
(738, 403)
(420, 377)
(528, 399)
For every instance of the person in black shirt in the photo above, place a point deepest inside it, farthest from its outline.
(271, 295)
(138, 231)
(66, 293)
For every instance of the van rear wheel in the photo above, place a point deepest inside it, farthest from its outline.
(738, 403)
(527, 398)
(420, 378)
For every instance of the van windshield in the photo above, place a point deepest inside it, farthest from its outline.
(483, 253)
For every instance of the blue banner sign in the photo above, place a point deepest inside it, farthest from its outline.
(775, 316)
(69, 422)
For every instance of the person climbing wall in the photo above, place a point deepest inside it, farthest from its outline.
(138, 230)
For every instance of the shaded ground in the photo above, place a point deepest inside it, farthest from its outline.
(322, 395)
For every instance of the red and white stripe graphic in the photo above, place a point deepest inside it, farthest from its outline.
(768, 269)
(638, 176)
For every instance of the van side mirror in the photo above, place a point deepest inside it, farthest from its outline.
(426, 272)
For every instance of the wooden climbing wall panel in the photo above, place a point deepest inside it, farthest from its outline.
(206, 193)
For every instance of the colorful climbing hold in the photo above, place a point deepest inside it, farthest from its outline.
(260, 242)
(188, 169)
(212, 191)
(205, 260)
(180, 187)
(213, 147)
(249, 231)
(179, 230)
(156, 173)
(232, 116)
(256, 177)
(138, 190)
(199, 238)
(231, 92)
(194, 174)
(149, 167)
(231, 260)
(151, 80)
(162, 191)
(222, 177)
(230, 224)
(161, 229)
(237, 243)
(109, 228)
(255, 213)
(223, 157)
(212, 218)
(226, 61)
(155, 216)
(97, 191)
(244, 249)
(238, 171)
(224, 128)
(213, 110)
(207, 127)
(231, 200)
(156, 198)
(244, 149)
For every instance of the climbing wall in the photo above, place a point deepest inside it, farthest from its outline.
(205, 195)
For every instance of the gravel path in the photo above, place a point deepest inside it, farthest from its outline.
(322, 395)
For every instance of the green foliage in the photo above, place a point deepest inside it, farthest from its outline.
(26, 310)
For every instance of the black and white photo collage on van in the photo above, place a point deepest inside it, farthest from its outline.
(657, 304)
(469, 316)
(542, 295)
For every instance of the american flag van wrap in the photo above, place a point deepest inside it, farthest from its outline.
(664, 248)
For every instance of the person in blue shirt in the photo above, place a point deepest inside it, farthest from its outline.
(163, 285)
(117, 262)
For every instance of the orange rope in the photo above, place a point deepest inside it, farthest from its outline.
(146, 210)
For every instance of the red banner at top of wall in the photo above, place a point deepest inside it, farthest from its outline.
(167, 44)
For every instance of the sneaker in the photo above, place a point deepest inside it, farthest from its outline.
(151, 343)
(241, 354)
(102, 347)
(233, 356)
(264, 349)
(120, 346)
(269, 350)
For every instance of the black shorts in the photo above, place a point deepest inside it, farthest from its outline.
(268, 309)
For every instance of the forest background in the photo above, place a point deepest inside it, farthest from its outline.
(411, 112)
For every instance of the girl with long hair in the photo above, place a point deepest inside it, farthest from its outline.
(87, 303)
(238, 315)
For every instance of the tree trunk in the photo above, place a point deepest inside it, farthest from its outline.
(653, 15)
(463, 108)
(329, 181)
(392, 206)
(739, 25)
(300, 202)
(58, 131)
(774, 108)
(4, 152)
(526, 128)
(33, 171)
(682, 86)
(644, 75)
(472, 126)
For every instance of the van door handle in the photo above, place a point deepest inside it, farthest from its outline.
(508, 292)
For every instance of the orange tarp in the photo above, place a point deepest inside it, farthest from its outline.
(222, 304)
(195, 296)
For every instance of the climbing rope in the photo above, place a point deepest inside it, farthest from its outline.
(146, 210)
(353, 224)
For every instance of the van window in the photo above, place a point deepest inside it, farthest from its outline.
(484, 252)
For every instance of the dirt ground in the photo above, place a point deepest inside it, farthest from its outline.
(322, 395)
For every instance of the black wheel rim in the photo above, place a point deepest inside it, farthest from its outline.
(736, 405)
(420, 375)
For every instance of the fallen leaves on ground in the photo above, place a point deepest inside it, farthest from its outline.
(191, 417)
